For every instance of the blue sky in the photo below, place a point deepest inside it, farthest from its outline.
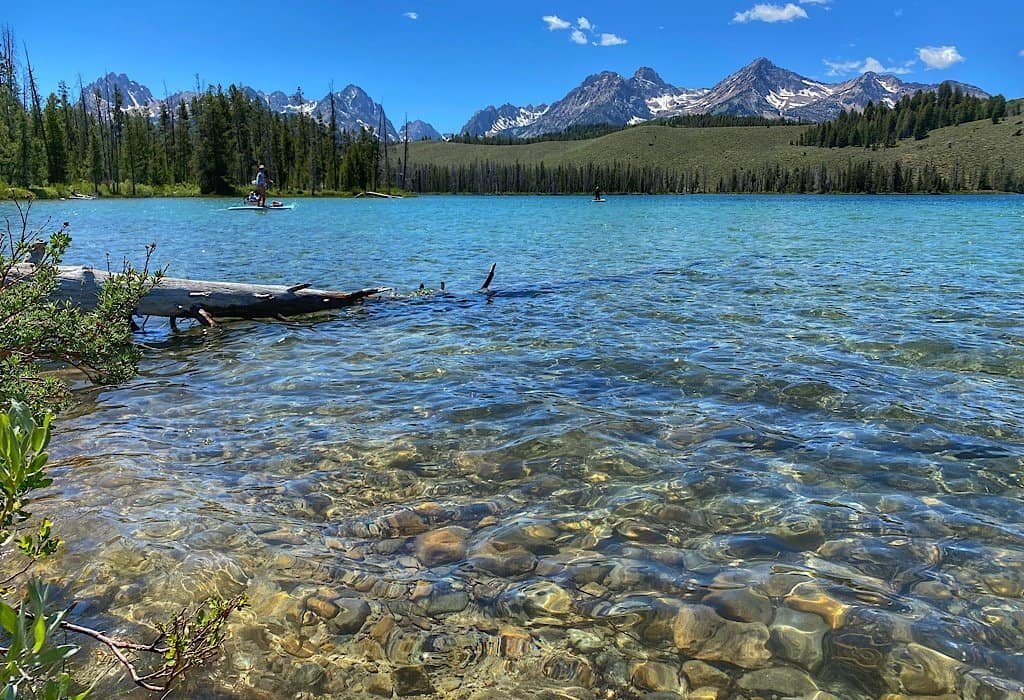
(441, 60)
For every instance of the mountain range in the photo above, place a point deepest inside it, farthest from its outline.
(353, 108)
(760, 89)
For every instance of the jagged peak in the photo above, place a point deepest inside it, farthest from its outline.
(761, 63)
(603, 76)
(646, 73)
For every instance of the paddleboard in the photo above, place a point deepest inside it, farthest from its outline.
(599, 201)
(253, 207)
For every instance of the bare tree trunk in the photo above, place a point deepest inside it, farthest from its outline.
(204, 300)
(405, 155)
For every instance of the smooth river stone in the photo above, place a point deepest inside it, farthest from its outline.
(500, 559)
(810, 597)
(983, 685)
(799, 531)
(797, 636)
(702, 674)
(701, 633)
(440, 598)
(740, 605)
(411, 680)
(924, 671)
(584, 641)
(324, 609)
(403, 523)
(784, 681)
(441, 546)
(380, 684)
(547, 598)
(655, 676)
(308, 676)
(352, 613)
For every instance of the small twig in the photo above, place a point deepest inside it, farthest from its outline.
(115, 647)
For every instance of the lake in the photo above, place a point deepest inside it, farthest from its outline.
(757, 446)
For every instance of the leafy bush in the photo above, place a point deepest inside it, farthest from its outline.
(38, 333)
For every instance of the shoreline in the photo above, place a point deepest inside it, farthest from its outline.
(41, 194)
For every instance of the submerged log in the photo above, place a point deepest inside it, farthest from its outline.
(208, 301)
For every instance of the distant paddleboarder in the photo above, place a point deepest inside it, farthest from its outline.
(261, 182)
(597, 193)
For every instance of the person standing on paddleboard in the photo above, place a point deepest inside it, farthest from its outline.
(261, 182)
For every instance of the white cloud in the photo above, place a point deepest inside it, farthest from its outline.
(555, 22)
(411, 15)
(610, 40)
(583, 32)
(939, 56)
(869, 64)
(771, 13)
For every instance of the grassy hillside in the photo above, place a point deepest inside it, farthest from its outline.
(717, 151)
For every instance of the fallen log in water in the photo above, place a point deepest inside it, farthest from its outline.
(208, 301)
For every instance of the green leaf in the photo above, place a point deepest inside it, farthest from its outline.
(39, 633)
(56, 655)
(8, 618)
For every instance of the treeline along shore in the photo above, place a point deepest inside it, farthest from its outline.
(212, 142)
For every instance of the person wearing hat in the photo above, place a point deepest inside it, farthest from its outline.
(261, 186)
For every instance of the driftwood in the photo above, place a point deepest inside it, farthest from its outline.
(378, 195)
(206, 301)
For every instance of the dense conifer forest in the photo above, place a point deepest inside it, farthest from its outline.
(212, 142)
(911, 117)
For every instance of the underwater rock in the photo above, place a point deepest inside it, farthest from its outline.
(925, 671)
(501, 559)
(513, 642)
(785, 681)
(440, 598)
(701, 674)
(701, 633)
(352, 613)
(539, 601)
(655, 676)
(402, 523)
(411, 680)
(797, 636)
(297, 647)
(324, 609)
(441, 546)
(704, 693)
(979, 684)
(586, 642)
(799, 531)
(810, 597)
(566, 668)
(380, 684)
(740, 604)
(307, 675)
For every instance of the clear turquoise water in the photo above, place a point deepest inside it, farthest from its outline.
(805, 415)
